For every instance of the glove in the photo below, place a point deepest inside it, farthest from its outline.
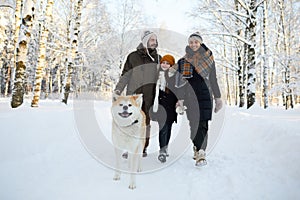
(115, 95)
(218, 104)
(180, 108)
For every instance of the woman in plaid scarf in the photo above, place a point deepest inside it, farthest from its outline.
(198, 81)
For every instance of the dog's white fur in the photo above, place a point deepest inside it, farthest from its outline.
(128, 133)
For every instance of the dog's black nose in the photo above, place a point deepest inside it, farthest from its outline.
(125, 107)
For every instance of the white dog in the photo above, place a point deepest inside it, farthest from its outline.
(128, 133)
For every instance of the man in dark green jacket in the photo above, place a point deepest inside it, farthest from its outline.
(139, 76)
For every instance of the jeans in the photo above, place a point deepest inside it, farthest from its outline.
(164, 135)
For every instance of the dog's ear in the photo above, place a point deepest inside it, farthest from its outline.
(138, 99)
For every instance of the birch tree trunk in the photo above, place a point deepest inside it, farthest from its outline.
(7, 54)
(58, 78)
(244, 75)
(251, 72)
(69, 65)
(228, 97)
(241, 71)
(265, 56)
(287, 93)
(274, 77)
(241, 78)
(21, 57)
(73, 50)
(17, 25)
(10, 62)
(42, 55)
(10, 51)
(48, 81)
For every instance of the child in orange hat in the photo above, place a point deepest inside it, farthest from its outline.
(164, 108)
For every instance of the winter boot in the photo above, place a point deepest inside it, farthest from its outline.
(196, 153)
(200, 159)
(167, 154)
(162, 157)
(125, 155)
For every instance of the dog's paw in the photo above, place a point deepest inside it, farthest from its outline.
(117, 177)
(132, 186)
(139, 169)
(125, 155)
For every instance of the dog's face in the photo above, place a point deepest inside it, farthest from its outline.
(126, 109)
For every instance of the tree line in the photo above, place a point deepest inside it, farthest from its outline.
(258, 44)
(54, 48)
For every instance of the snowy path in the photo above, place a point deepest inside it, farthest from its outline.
(257, 157)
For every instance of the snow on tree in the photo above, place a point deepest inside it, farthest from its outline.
(22, 50)
(42, 55)
(265, 55)
(6, 47)
(74, 25)
(256, 52)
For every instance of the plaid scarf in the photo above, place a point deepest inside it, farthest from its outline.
(202, 61)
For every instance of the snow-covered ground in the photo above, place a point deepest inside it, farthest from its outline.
(43, 156)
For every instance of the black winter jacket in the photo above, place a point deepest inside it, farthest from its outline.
(139, 75)
(199, 93)
(167, 102)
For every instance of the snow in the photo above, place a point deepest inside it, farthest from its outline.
(43, 156)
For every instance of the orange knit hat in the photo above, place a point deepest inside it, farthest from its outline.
(170, 59)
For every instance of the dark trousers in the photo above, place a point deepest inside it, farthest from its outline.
(164, 135)
(148, 127)
(199, 133)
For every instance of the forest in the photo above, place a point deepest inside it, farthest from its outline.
(68, 49)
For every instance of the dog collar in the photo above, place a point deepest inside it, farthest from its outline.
(135, 121)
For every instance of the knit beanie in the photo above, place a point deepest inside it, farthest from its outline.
(146, 35)
(196, 36)
(161, 81)
(170, 59)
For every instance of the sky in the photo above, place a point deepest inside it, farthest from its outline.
(168, 14)
(171, 14)
(43, 155)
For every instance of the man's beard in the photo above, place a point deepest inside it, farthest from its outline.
(153, 46)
